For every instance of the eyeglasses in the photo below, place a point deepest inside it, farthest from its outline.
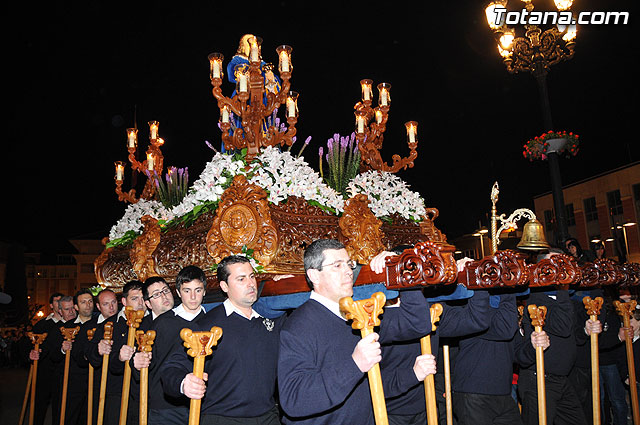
(156, 295)
(337, 265)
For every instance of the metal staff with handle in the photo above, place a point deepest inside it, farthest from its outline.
(134, 317)
(593, 310)
(90, 333)
(364, 314)
(429, 384)
(108, 335)
(36, 339)
(625, 310)
(537, 315)
(68, 334)
(199, 346)
(26, 396)
(145, 341)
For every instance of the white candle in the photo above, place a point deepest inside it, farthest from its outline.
(383, 97)
(284, 61)
(291, 108)
(365, 93)
(132, 139)
(215, 72)
(153, 131)
(225, 114)
(150, 162)
(360, 121)
(378, 116)
(119, 171)
(253, 55)
(243, 83)
(412, 134)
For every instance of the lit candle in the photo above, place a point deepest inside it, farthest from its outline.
(383, 97)
(360, 124)
(132, 137)
(291, 107)
(215, 59)
(378, 116)
(153, 130)
(366, 89)
(284, 61)
(215, 72)
(150, 161)
(254, 53)
(242, 81)
(225, 114)
(412, 130)
(119, 171)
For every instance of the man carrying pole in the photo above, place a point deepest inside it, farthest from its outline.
(322, 363)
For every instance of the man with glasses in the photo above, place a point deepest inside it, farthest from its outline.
(322, 361)
(191, 288)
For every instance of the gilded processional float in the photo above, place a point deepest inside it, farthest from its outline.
(259, 199)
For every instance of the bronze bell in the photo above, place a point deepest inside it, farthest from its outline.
(533, 237)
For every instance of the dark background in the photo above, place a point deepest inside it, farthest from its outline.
(77, 72)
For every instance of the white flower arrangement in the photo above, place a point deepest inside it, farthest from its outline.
(281, 175)
(388, 194)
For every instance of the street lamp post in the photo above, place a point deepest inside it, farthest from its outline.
(480, 233)
(535, 52)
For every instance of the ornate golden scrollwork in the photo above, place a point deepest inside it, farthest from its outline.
(141, 255)
(428, 263)
(361, 230)
(243, 218)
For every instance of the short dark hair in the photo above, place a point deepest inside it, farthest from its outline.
(132, 285)
(55, 295)
(223, 267)
(150, 281)
(81, 292)
(188, 274)
(314, 255)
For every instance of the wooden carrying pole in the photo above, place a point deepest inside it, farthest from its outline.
(364, 314)
(537, 315)
(23, 411)
(199, 346)
(593, 310)
(429, 383)
(36, 339)
(90, 333)
(108, 334)
(145, 341)
(68, 334)
(447, 384)
(134, 317)
(625, 310)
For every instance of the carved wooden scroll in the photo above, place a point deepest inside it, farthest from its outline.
(361, 230)
(143, 247)
(504, 268)
(243, 218)
(429, 229)
(559, 269)
(428, 263)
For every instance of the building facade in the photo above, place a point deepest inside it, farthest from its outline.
(605, 207)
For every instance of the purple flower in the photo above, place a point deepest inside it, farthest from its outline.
(320, 152)
(306, 142)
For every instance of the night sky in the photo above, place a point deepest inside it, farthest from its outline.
(76, 74)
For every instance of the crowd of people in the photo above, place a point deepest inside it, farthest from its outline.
(308, 366)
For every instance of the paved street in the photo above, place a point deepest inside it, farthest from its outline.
(12, 385)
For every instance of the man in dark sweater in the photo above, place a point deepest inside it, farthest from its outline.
(241, 373)
(563, 405)
(47, 388)
(323, 362)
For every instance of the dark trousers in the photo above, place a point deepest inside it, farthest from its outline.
(269, 418)
(615, 392)
(480, 409)
(563, 406)
(47, 392)
(580, 378)
(76, 409)
(112, 409)
(173, 416)
(417, 419)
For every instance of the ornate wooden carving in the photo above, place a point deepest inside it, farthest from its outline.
(141, 255)
(559, 269)
(199, 344)
(361, 230)
(69, 334)
(429, 229)
(505, 268)
(593, 306)
(428, 263)
(243, 218)
(402, 232)
(364, 313)
(145, 340)
(537, 315)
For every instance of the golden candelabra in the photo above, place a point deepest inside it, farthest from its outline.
(535, 50)
(153, 163)
(371, 123)
(256, 97)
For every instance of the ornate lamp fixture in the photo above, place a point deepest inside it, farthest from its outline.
(371, 124)
(153, 163)
(532, 234)
(258, 93)
(536, 50)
